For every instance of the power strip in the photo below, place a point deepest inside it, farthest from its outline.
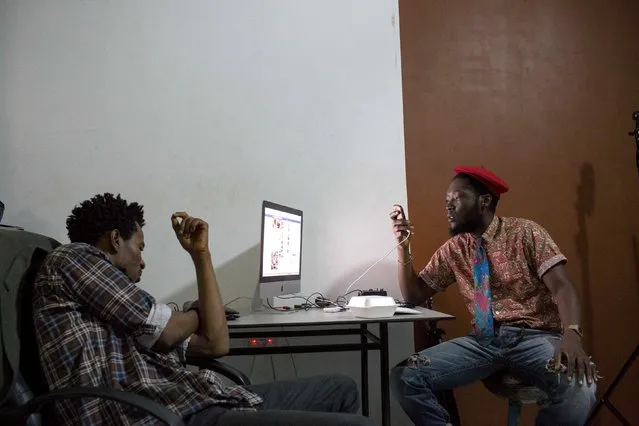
(371, 292)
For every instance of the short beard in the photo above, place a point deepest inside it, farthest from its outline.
(467, 226)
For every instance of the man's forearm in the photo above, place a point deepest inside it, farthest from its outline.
(568, 305)
(409, 281)
(180, 326)
(212, 317)
(564, 294)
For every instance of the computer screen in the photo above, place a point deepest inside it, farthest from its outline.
(281, 249)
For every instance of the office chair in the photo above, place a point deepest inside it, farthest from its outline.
(22, 254)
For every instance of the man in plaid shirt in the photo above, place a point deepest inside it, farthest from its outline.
(96, 327)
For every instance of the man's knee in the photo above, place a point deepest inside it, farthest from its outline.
(405, 372)
(582, 397)
(406, 381)
(576, 402)
(345, 392)
(344, 383)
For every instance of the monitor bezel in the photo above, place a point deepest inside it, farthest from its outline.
(286, 209)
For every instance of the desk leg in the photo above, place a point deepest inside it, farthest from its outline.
(385, 372)
(364, 367)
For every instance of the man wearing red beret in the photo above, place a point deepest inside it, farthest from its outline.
(512, 277)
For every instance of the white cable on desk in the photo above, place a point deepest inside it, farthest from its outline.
(374, 264)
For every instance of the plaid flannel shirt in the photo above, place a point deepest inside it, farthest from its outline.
(96, 328)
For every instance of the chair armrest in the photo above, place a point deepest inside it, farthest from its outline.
(140, 402)
(222, 368)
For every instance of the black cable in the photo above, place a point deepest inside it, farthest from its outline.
(343, 304)
(341, 301)
(307, 299)
(278, 309)
(250, 375)
(237, 298)
(306, 305)
(175, 307)
(273, 368)
(270, 306)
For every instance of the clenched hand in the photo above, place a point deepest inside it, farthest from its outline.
(191, 232)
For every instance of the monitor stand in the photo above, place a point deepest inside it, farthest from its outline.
(257, 303)
(261, 300)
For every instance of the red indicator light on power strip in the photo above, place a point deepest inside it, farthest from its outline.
(261, 342)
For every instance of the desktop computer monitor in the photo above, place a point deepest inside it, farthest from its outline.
(280, 250)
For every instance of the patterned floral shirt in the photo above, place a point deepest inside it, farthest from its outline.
(95, 327)
(519, 252)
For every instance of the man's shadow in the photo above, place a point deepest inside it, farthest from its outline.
(635, 258)
(585, 207)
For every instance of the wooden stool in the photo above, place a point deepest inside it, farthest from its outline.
(517, 391)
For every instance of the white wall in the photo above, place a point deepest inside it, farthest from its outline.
(211, 107)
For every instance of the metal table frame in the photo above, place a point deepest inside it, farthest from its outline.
(368, 341)
(315, 322)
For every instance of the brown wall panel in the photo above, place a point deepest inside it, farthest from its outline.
(542, 93)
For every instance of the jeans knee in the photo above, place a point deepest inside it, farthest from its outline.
(345, 383)
(405, 380)
(583, 396)
(570, 405)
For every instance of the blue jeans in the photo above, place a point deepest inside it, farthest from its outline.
(328, 400)
(464, 360)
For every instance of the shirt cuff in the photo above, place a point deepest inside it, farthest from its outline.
(157, 320)
(548, 264)
(184, 346)
(430, 283)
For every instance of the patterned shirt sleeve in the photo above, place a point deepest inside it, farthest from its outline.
(438, 274)
(540, 249)
(109, 295)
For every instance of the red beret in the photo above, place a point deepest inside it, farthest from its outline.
(494, 183)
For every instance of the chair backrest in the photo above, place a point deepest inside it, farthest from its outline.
(21, 255)
(30, 367)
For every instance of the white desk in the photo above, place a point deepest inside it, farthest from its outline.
(310, 322)
(319, 317)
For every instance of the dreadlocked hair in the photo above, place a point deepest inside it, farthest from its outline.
(100, 215)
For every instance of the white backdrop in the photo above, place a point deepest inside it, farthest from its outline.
(212, 107)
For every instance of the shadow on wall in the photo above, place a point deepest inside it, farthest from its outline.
(237, 278)
(635, 259)
(585, 207)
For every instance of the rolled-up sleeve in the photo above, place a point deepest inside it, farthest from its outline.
(157, 320)
(183, 348)
(540, 249)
